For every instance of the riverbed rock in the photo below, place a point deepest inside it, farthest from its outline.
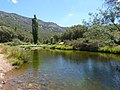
(2, 75)
(3, 82)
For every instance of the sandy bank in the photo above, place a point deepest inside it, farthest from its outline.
(4, 65)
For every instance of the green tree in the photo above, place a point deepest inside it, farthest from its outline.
(51, 40)
(113, 12)
(56, 38)
(110, 15)
(74, 32)
(35, 29)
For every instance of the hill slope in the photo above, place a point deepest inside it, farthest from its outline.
(22, 25)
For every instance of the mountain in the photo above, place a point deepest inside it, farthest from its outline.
(22, 25)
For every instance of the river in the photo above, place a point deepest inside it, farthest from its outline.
(68, 70)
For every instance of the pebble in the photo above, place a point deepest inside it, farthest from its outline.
(2, 75)
(3, 82)
(30, 85)
(1, 86)
(19, 82)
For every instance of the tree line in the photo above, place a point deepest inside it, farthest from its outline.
(102, 29)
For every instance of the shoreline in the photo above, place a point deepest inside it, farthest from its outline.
(5, 67)
(106, 49)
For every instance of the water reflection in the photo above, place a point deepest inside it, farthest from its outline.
(75, 67)
(36, 61)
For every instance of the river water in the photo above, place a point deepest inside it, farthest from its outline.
(68, 70)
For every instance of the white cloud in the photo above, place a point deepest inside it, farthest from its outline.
(70, 14)
(14, 1)
(118, 0)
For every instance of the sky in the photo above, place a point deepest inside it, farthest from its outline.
(62, 12)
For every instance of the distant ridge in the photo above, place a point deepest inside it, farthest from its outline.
(22, 23)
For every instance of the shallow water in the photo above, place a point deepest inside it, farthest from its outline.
(68, 70)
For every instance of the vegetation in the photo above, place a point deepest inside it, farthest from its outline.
(15, 26)
(35, 29)
(114, 49)
(113, 15)
(100, 33)
(15, 55)
(61, 47)
(74, 32)
(46, 46)
(7, 34)
(16, 42)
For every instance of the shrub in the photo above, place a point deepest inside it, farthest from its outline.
(16, 42)
(83, 44)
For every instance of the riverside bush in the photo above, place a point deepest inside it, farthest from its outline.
(16, 42)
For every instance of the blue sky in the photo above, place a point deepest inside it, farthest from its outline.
(62, 12)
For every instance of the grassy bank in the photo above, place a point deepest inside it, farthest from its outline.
(15, 55)
(59, 47)
(45, 46)
(108, 49)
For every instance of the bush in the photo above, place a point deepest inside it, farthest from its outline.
(16, 42)
(83, 44)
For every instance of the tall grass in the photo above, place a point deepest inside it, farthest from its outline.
(64, 47)
(114, 49)
(59, 47)
(15, 55)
